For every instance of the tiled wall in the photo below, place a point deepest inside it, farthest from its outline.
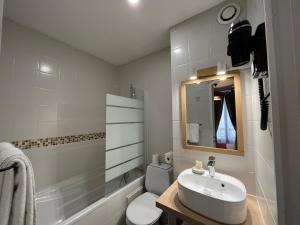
(262, 144)
(48, 89)
(202, 43)
(262, 140)
(152, 74)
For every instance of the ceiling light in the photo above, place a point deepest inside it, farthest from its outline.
(223, 78)
(193, 77)
(177, 50)
(134, 2)
(217, 98)
(221, 70)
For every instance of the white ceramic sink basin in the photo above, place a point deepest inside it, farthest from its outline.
(221, 198)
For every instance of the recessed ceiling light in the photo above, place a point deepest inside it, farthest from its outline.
(134, 2)
(193, 77)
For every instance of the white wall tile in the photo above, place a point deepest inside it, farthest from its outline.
(47, 113)
(67, 99)
(49, 65)
(246, 80)
(47, 81)
(180, 73)
(152, 75)
(264, 208)
(178, 37)
(262, 140)
(268, 185)
(249, 135)
(179, 55)
(48, 84)
(47, 129)
(176, 129)
(248, 108)
(199, 38)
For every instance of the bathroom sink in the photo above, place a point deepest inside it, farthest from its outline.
(221, 198)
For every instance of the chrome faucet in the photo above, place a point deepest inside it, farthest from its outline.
(211, 166)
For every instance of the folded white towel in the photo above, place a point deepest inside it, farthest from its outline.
(17, 188)
(194, 133)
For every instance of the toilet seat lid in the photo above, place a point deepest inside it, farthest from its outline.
(142, 210)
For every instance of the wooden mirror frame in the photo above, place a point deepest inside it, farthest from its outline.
(239, 119)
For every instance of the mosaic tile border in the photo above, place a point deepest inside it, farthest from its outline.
(54, 141)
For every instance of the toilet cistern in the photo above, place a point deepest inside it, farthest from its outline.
(211, 166)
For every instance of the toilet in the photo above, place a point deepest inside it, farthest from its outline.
(142, 210)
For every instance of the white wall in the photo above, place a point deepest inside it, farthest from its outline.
(262, 140)
(152, 74)
(1, 15)
(282, 19)
(68, 100)
(203, 43)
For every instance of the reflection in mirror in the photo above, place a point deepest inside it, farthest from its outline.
(211, 113)
(211, 117)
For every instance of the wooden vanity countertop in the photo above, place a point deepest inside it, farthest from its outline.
(170, 203)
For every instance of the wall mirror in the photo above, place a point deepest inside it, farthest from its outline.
(212, 114)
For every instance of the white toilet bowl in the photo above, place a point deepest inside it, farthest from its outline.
(142, 210)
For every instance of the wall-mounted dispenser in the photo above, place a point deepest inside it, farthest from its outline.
(241, 45)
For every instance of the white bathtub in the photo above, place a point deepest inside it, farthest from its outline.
(82, 201)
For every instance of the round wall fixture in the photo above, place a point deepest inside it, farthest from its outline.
(229, 13)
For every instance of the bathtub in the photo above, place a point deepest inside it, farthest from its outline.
(83, 200)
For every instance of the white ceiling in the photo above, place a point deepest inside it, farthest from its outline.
(112, 30)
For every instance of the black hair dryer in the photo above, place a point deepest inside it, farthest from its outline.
(241, 45)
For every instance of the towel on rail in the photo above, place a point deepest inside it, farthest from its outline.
(193, 133)
(17, 203)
